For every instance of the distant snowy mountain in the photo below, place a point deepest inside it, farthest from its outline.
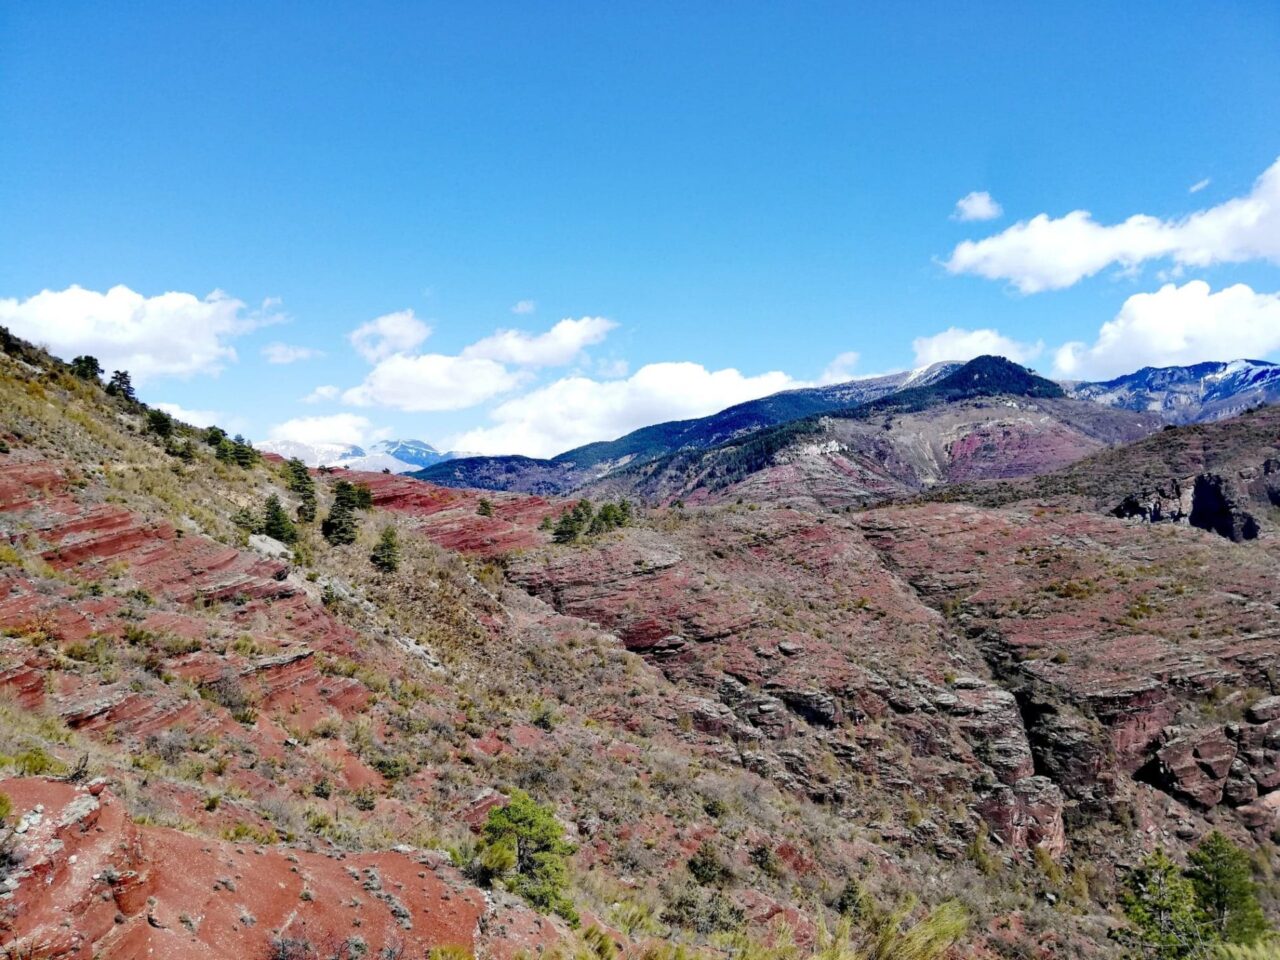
(397, 456)
(312, 454)
(414, 452)
(1193, 394)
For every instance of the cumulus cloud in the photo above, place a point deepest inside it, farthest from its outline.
(1046, 253)
(170, 335)
(956, 343)
(281, 353)
(524, 306)
(576, 410)
(431, 382)
(558, 346)
(325, 392)
(197, 418)
(1177, 325)
(340, 428)
(389, 334)
(978, 205)
(841, 368)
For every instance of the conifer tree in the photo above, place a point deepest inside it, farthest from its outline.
(1225, 890)
(523, 845)
(121, 385)
(341, 525)
(1161, 905)
(301, 482)
(160, 423)
(276, 523)
(386, 555)
(86, 367)
(567, 528)
(243, 452)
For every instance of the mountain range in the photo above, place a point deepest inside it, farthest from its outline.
(1192, 394)
(395, 456)
(1197, 393)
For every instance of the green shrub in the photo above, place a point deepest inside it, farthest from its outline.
(707, 868)
(37, 762)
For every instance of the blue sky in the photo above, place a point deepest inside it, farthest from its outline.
(733, 195)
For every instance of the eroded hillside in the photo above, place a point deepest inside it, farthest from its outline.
(749, 715)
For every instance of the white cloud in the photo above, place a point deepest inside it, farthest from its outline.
(169, 335)
(1176, 326)
(281, 353)
(612, 368)
(341, 428)
(389, 334)
(524, 306)
(978, 205)
(841, 368)
(1044, 253)
(1199, 185)
(558, 346)
(431, 381)
(956, 343)
(577, 410)
(326, 392)
(197, 418)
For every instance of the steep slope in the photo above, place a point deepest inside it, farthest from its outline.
(1198, 393)
(989, 418)
(1222, 476)
(263, 748)
(743, 715)
(573, 468)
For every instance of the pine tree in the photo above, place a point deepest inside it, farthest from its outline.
(1228, 897)
(341, 525)
(243, 452)
(121, 385)
(276, 523)
(160, 423)
(307, 506)
(523, 845)
(86, 367)
(386, 555)
(344, 493)
(1161, 905)
(301, 482)
(567, 528)
(363, 496)
(485, 507)
(214, 436)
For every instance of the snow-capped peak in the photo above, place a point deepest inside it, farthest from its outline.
(397, 456)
